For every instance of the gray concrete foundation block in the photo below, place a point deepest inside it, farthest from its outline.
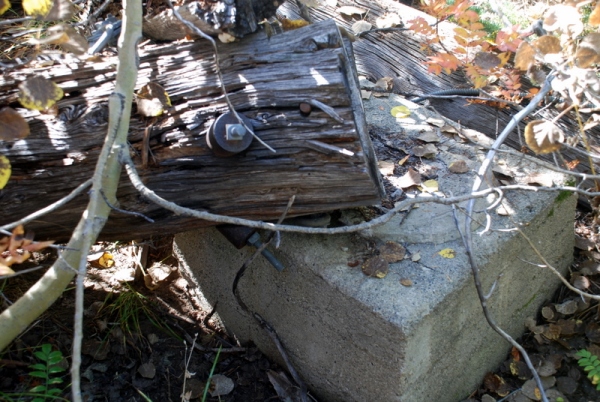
(355, 338)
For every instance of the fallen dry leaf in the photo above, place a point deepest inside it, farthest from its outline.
(425, 151)
(410, 178)
(392, 252)
(406, 282)
(447, 253)
(459, 166)
(375, 267)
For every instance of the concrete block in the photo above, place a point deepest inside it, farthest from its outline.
(356, 338)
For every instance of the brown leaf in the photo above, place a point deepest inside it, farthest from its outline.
(375, 267)
(594, 19)
(12, 125)
(547, 44)
(580, 282)
(525, 56)
(410, 178)
(406, 282)
(519, 369)
(486, 60)
(543, 136)
(592, 331)
(152, 100)
(458, 167)
(392, 252)
(567, 307)
(425, 151)
(38, 93)
(588, 50)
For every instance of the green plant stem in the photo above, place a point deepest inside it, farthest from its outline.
(212, 371)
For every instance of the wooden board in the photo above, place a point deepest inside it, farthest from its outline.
(266, 78)
(401, 55)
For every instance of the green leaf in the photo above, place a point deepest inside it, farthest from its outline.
(38, 366)
(583, 353)
(39, 388)
(39, 400)
(41, 355)
(53, 381)
(55, 369)
(39, 374)
(588, 368)
(53, 391)
(46, 348)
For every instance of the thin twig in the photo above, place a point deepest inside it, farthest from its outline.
(124, 211)
(554, 270)
(400, 206)
(50, 208)
(199, 32)
(467, 236)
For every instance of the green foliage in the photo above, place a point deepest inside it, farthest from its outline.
(127, 308)
(591, 364)
(48, 371)
(212, 371)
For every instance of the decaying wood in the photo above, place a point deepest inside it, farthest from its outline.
(237, 18)
(266, 78)
(401, 55)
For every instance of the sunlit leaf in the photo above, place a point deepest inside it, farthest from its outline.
(588, 51)
(38, 93)
(290, 25)
(430, 186)
(12, 125)
(49, 10)
(447, 253)
(410, 178)
(563, 18)
(152, 100)
(106, 260)
(594, 19)
(525, 56)
(5, 270)
(351, 10)
(400, 112)
(543, 136)
(547, 44)
(4, 5)
(361, 26)
(5, 171)
(388, 20)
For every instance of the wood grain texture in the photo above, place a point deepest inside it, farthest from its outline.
(401, 55)
(266, 79)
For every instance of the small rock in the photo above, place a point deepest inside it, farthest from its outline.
(220, 385)
(147, 370)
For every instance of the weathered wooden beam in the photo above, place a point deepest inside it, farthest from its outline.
(401, 55)
(267, 79)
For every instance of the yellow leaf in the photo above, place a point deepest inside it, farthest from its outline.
(4, 5)
(400, 112)
(5, 171)
(49, 10)
(447, 253)
(37, 7)
(106, 260)
(430, 186)
(38, 93)
(289, 25)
